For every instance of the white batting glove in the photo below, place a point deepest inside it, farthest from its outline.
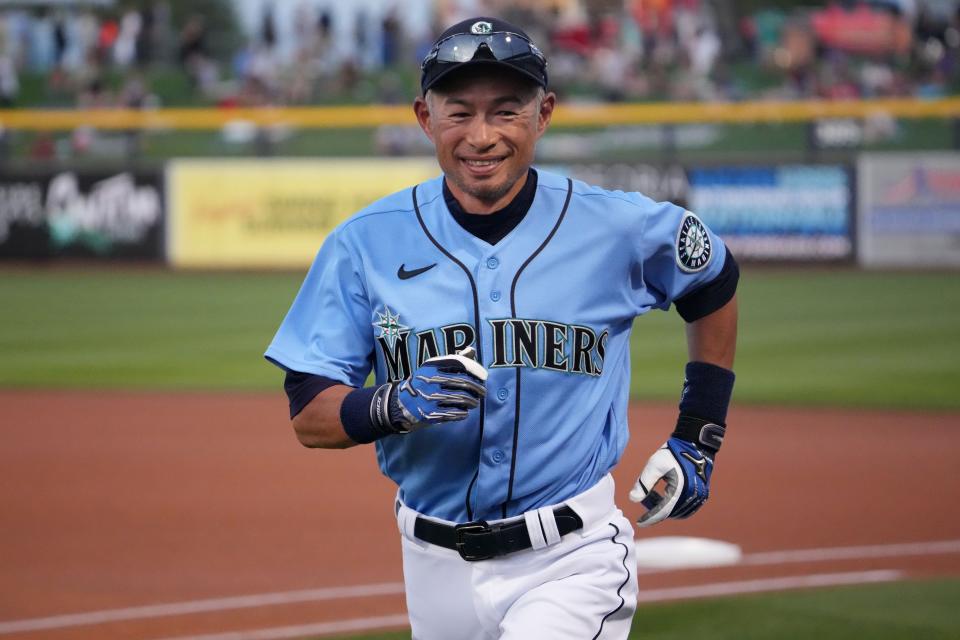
(686, 470)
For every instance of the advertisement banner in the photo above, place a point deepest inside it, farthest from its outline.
(909, 209)
(272, 213)
(68, 214)
(790, 212)
(657, 181)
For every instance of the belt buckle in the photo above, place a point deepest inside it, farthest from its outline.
(480, 526)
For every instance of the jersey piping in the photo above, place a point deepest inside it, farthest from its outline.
(513, 310)
(476, 322)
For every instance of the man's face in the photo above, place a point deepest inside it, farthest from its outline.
(485, 125)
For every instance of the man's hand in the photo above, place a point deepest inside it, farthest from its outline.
(686, 469)
(442, 389)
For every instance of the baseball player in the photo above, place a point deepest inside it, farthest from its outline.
(494, 305)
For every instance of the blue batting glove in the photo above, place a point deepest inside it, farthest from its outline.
(686, 469)
(442, 389)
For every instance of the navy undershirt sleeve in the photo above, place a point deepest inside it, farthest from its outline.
(301, 388)
(703, 301)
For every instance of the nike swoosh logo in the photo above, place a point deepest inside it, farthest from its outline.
(403, 274)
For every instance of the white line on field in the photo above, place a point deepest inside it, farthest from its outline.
(658, 595)
(767, 584)
(391, 588)
(853, 553)
(308, 630)
(201, 606)
(942, 547)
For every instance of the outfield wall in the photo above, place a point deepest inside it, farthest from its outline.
(103, 215)
(271, 213)
(768, 212)
(909, 212)
(900, 210)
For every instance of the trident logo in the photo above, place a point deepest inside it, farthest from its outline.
(481, 28)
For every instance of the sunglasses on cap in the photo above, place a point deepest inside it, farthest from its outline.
(462, 47)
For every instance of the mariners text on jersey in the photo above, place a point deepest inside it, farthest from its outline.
(517, 342)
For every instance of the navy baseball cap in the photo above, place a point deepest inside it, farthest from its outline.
(482, 41)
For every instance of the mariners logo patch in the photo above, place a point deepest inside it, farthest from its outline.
(481, 28)
(389, 325)
(693, 244)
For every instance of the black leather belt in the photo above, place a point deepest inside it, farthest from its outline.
(482, 541)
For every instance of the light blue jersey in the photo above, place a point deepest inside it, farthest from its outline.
(549, 310)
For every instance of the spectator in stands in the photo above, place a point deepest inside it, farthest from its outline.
(9, 81)
(193, 39)
(106, 38)
(125, 46)
(268, 29)
(41, 42)
(390, 37)
(194, 55)
(59, 40)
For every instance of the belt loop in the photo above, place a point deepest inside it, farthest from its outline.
(406, 519)
(537, 539)
(552, 534)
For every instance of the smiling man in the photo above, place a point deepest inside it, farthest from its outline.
(494, 305)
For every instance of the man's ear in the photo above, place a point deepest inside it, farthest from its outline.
(546, 112)
(422, 110)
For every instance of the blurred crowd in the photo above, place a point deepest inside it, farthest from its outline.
(104, 53)
(716, 50)
(109, 53)
(71, 49)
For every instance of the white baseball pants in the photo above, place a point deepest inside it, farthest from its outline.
(580, 587)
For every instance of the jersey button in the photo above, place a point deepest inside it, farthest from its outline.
(495, 296)
(497, 456)
(502, 394)
(493, 263)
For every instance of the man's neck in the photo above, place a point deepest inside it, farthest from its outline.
(477, 206)
(493, 227)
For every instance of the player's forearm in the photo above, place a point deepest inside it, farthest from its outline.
(713, 338)
(318, 424)
(692, 448)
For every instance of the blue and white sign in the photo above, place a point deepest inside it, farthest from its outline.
(791, 212)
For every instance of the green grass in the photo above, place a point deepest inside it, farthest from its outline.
(832, 338)
(903, 610)
(807, 336)
(140, 329)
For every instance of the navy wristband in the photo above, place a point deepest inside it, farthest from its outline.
(706, 392)
(356, 418)
(703, 406)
